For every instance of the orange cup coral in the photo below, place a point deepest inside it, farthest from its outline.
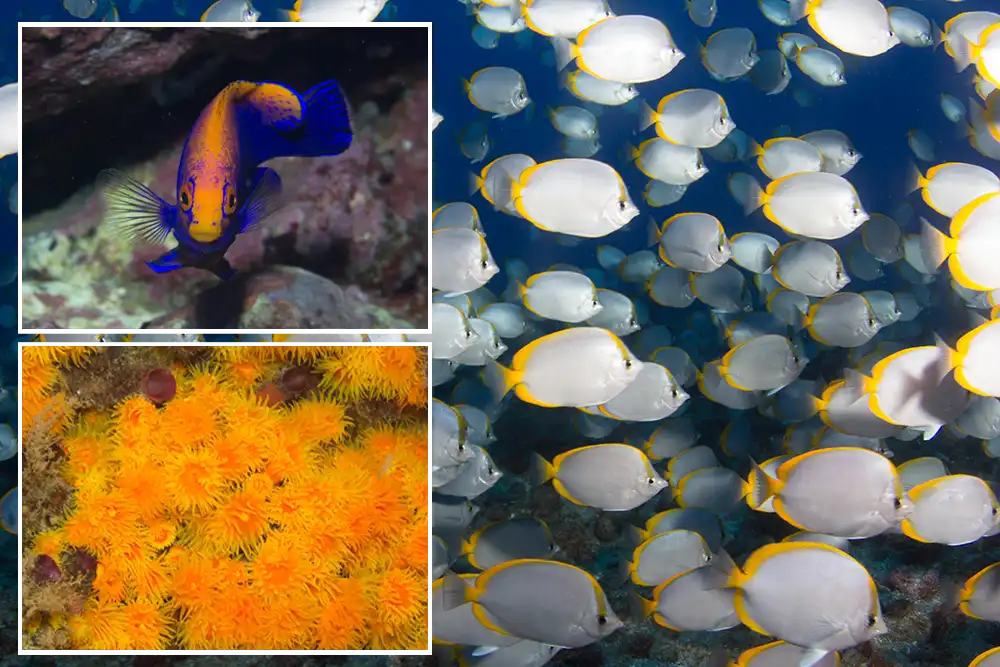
(222, 521)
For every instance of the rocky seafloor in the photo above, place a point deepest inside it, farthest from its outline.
(348, 251)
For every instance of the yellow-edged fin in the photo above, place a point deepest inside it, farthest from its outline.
(737, 579)
(682, 485)
(762, 486)
(645, 607)
(969, 589)
(907, 527)
(479, 611)
(747, 656)
(984, 656)
(823, 402)
(204, 16)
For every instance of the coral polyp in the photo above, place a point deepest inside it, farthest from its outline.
(215, 518)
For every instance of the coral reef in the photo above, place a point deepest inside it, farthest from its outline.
(357, 220)
(275, 498)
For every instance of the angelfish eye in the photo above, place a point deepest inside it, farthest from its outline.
(650, 481)
(484, 264)
(870, 621)
(897, 503)
(185, 199)
(230, 203)
(621, 205)
(602, 620)
(628, 364)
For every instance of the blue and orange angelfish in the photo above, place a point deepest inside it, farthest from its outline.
(221, 189)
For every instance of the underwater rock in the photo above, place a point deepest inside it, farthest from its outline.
(280, 297)
(69, 65)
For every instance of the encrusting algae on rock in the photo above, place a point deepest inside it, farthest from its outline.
(277, 500)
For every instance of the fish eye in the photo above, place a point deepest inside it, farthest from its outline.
(497, 343)
(485, 264)
(628, 364)
(650, 481)
(621, 205)
(489, 470)
(851, 153)
(897, 503)
(185, 199)
(602, 620)
(871, 620)
(461, 447)
(673, 392)
(230, 203)
(632, 322)
(871, 321)
(595, 303)
(996, 510)
(468, 333)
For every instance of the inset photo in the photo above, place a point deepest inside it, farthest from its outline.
(212, 179)
(196, 498)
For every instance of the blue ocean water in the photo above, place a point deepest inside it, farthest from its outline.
(884, 97)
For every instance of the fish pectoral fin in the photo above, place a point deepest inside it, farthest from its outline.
(811, 656)
(265, 198)
(135, 211)
(167, 262)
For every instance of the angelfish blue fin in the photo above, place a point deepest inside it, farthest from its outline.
(167, 262)
(264, 199)
(135, 211)
(327, 122)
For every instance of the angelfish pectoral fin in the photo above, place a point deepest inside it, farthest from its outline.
(265, 198)
(136, 212)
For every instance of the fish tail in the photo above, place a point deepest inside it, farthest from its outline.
(647, 116)
(503, 190)
(565, 51)
(625, 568)
(293, 15)
(454, 592)
(475, 183)
(761, 486)
(499, 379)
(935, 245)
(914, 179)
(797, 9)
(754, 197)
(639, 607)
(950, 358)
(636, 535)
(541, 470)
(937, 34)
(652, 234)
(327, 122)
(963, 52)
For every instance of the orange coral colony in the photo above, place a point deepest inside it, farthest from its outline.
(220, 519)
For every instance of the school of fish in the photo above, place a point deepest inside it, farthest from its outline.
(718, 373)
